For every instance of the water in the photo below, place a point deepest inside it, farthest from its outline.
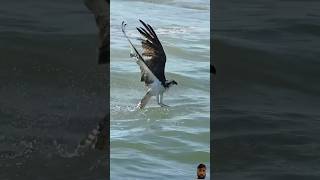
(266, 120)
(49, 95)
(267, 91)
(161, 143)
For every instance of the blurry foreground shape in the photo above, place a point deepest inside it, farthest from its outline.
(97, 138)
(100, 9)
(213, 69)
(102, 138)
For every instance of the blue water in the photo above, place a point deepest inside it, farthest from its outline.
(161, 143)
(52, 93)
(267, 93)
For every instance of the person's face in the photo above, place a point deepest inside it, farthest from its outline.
(201, 172)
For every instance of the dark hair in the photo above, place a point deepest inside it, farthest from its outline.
(202, 166)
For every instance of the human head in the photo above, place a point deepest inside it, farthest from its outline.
(201, 171)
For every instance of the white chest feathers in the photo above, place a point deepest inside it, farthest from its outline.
(156, 88)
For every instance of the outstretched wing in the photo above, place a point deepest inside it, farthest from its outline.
(153, 53)
(147, 75)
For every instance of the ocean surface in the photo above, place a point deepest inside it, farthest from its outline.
(52, 92)
(156, 142)
(266, 122)
(266, 119)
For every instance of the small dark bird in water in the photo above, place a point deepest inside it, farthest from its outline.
(152, 64)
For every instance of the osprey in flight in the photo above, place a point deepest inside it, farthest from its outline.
(152, 64)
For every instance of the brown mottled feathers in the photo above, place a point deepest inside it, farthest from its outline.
(153, 53)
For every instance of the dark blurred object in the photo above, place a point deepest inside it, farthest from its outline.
(213, 69)
(100, 10)
(98, 138)
(103, 137)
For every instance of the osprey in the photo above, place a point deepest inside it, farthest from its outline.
(152, 64)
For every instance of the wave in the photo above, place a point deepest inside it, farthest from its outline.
(246, 67)
(265, 107)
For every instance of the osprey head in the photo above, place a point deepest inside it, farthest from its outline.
(169, 83)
